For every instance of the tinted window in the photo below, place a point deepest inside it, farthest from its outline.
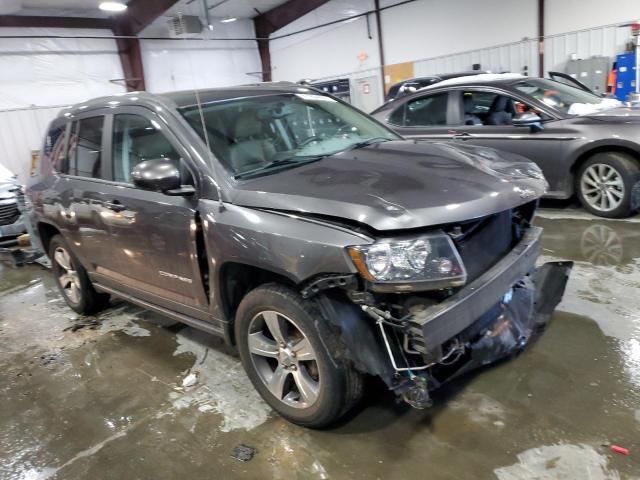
(53, 149)
(422, 112)
(427, 111)
(478, 102)
(85, 147)
(135, 139)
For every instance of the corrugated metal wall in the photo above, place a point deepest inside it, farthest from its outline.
(607, 40)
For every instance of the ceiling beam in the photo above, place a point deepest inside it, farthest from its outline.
(272, 20)
(139, 15)
(26, 21)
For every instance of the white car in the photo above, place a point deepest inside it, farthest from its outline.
(11, 221)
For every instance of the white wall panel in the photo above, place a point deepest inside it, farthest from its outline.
(570, 15)
(54, 71)
(184, 64)
(48, 72)
(329, 50)
(433, 28)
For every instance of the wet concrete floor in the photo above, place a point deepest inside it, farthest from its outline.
(107, 401)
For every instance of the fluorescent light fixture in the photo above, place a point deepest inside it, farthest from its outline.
(228, 19)
(113, 6)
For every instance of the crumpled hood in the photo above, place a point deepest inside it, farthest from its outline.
(397, 185)
(615, 115)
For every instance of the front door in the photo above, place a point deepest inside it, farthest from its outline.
(153, 249)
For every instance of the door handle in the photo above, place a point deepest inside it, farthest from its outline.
(463, 136)
(116, 206)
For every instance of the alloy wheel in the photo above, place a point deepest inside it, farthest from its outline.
(284, 359)
(67, 275)
(602, 187)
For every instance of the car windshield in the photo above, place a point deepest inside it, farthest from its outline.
(567, 99)
(264, 133)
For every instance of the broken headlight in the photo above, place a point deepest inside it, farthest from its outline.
(420, 263)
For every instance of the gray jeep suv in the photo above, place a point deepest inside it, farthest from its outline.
(311, 237)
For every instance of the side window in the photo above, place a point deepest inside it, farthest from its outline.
(426, 111)
(53, 149)
(85, 147)
(486, 108)
(136, 139)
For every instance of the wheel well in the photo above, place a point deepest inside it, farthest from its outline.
(603, 149)
(238, 279)
(46, 232)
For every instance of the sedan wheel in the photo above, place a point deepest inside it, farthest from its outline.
(602, 187)
(67, 275)
(284, 359)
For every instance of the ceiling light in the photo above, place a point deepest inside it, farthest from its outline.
(228, 19)
(113, 6)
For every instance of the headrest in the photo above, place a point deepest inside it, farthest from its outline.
(247, 125)
(468, 103)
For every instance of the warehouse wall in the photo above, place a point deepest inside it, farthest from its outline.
(329, 50)
(422, 29)
(569, 15)
(47, 73)
(430, 28)
(171, 65)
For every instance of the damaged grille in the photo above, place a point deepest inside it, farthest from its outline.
(9, 213)
(483, 242)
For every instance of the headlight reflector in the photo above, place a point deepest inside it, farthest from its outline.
(431, 261)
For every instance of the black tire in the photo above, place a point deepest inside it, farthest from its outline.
(340, 386)
(88, 301)
(629, 171)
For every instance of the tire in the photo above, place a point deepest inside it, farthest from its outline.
(331, 383)
(73, 282)
(589, 184)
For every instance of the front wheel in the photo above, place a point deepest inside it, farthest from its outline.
(284, 344)
(72, 279)
(605, 183)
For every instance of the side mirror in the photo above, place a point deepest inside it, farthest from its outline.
(531, 120)
(158, 174)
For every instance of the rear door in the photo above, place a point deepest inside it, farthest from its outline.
(548, 148)
(153, 250)
(427, 116)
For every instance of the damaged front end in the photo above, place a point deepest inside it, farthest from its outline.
(418, 340)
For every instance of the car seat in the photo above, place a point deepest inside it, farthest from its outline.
(501, 111)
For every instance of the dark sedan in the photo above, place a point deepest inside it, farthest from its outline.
(586, 145)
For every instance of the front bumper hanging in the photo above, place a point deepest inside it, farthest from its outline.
(492, 318)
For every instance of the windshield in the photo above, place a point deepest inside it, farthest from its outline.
(267, 132)
(567, 99)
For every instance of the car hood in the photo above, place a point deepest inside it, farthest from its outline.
(615, 115)
(399, 185)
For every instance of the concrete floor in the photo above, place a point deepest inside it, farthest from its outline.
(106, 401)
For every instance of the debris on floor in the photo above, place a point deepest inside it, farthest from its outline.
(90, 323)
(619, 449)
(190, 380)
(243, 452)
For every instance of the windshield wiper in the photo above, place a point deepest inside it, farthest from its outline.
(283, 162)
(366, 143)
